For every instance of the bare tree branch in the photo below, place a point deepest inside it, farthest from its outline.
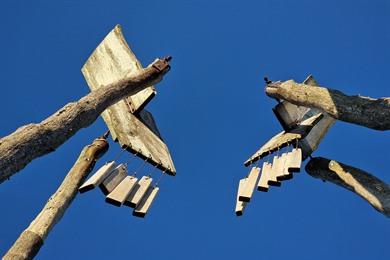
(364, 111)
(32, 239)
(367, 186)
(34, 140)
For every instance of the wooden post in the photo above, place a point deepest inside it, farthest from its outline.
(31, 239)
(143, 207)
(138, 192)
(97, 178)
(263, 183)
(122, 191)
(250, 185)
(240, 205)
(113, 179)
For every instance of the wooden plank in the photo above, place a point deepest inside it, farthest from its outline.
(122, 191)
(285, 174)
(250, 185)
(275, 170)
(113, 179)
(240, 205)
(97, 177)
(133, 129)
(295, 160)
(265, 172)
(138, 192)
(143, 207)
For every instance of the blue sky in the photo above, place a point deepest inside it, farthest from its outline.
(212, 112)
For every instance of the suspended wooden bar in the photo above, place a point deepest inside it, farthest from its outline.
(264, 177)
(250, 185)
(138, 192)
(143, 207)
(98, 177)
(295, 160)
(122, 191)
(113, 179)
(240, 205)
(275, 170)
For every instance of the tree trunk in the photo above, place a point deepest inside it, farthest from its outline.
(31, 239)
(34, 140)
(364, 111)
(367, 186)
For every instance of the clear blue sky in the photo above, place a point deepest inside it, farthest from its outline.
(212, 111)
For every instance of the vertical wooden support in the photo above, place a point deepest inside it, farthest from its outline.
(113, 179)
(122, 191)
(98, 177)
(250, 185)
(265, 172)
(240, 205)
(143, 207)
(138, 192)
(275, 170)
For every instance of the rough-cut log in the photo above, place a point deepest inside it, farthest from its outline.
(367, 186)
(364, 111)
(34, 140)
(31, 239)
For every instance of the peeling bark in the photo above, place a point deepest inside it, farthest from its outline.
(367, 186)
(364, 111)
(34, 140)
(32, 239)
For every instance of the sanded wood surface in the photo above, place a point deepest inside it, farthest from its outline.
(250, 185)
(113, 60)
(138, 192)
(265, 173)
(122, 191)
(144, 206)
(113, 179)
(97, 177)
(240, 205)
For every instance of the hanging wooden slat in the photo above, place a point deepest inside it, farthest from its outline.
(122, 191)
(294, 164)
(265, 172)
(240, 205)
(113, 179)
(285, 174)
(276, 168)
(143, 207)
(250, 185)
(138, 192)
(97, 177)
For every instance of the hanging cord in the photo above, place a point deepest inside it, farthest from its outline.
(119, 154)
(140, 167)
(131, 158)
(160, 179)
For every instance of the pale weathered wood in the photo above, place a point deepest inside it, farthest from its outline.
(97, 177)
(367, 186)
(285, 174)
(250, 185)
(134, 130)
(240, 205)
(295, 160)
(143, 207)
(138, 192)
(364, 111)
(122, 191)
(276, 168)
(265, 172)
(31, 240)
(113, 179)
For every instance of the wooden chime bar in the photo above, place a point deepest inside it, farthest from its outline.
(146, 202)
(264, 177)
(118, 196)
(113, 179)
(240, 205)
(138, 192)
(276, 168)
(250, 184)
(98, 177)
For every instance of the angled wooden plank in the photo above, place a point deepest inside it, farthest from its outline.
(138, 192)
(265, 173)
(97, 177)
(276, 168)
(122, 191)
(250, 185)
(133, 129)
(240, 205)
(113, 179)
(143, 207)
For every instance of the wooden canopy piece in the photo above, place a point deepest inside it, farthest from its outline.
(129, 124)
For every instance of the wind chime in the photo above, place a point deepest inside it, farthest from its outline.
(282, 155)
(130, 125)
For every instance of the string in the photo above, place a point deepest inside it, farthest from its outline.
(140, 167)
(159, 180)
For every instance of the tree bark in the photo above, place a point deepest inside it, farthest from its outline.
(367, 186)
(364, 111)
(34, 140)
(31, 239)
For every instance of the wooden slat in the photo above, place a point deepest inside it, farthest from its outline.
(122, 191)
(133, 129)
(97, 177)
(275, 170)
(113, 179)
(285, 174)
(250, 185)
(138, 192)
(265, 172)
(295, 161)
(240, 205)
(143, 207)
